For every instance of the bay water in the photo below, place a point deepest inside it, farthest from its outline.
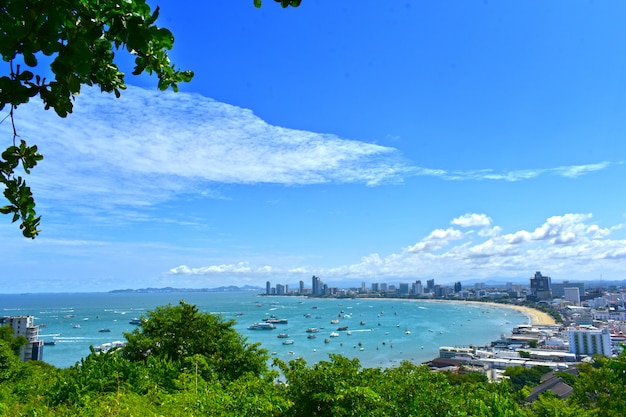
(380, 332)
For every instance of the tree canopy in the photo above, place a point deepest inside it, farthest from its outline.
(195, 340)
(53, 48)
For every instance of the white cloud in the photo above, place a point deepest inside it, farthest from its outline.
(149, 147)
(472, 220)
(568, 245)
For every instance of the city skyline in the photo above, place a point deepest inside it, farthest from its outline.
(365, 142)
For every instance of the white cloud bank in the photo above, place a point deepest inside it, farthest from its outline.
(149, 147)
(570, 246)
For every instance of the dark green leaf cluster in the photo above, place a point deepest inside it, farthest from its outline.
(195, 342)
(283, 3)
(79, 39)
(20, 198)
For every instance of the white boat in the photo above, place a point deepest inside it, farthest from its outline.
(288, 342)
(334, 321)
(407, 331)
(312, 330)
(261, 326)
(283, 336)
(334, 334)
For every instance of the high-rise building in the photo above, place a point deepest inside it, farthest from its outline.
(540, 287)
(280, 289)
(417, 288)
(301, 287)
(430, 285)
(572, 295)
(403, 289)
(589, 342)
(375, 287)
(25, 326)
(458, 287)
(268, 288)
(558, 288)
(317, 286)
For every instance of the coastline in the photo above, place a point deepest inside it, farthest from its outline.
(536, 317)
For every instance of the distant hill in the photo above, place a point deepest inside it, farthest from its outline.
(230, 288)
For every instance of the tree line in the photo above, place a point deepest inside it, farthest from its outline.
(184, 362)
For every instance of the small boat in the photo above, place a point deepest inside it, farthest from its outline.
(135, 321)
(312, 330)
(283, 336)
(327, 340)
(49, 342)
(261, 326)
(334, 334)
(275, 320)
(334, 321)
(342, 328)
(362, 323)
(105, 330)
(407, 331)
(288, 342)
(76, 326)
(311, 336)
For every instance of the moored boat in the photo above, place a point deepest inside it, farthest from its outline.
(261, 326)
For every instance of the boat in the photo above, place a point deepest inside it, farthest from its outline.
(283, 336)
(76, 326)
(407, 331)
(362, 323)
(311, 336)
(334, 334)
(312, 330)
(135, 321)
(261, 326)
(275, 320)
(49, 342)
(288, 342)
(342, 328)
(327, 340)
(334, 321)
(105, 330)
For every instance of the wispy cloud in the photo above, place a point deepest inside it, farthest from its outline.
(149, 147)
(569, 244)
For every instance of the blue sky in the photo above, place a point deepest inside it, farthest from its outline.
(357, 141)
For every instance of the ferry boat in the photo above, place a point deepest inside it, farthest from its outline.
(288, 342)
(261, 326)
(283, 336)
(312, 330)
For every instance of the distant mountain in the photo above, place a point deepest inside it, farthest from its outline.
(230, 288)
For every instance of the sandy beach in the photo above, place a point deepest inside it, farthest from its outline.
(537, 317)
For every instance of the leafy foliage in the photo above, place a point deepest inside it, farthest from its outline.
(283, 3)
(175, 372)
(79, 39)
(178, 333)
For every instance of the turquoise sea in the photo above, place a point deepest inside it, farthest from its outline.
(380, 332)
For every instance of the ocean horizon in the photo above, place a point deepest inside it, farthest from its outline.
(380, 332)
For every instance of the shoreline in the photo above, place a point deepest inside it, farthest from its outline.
(536, 317)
